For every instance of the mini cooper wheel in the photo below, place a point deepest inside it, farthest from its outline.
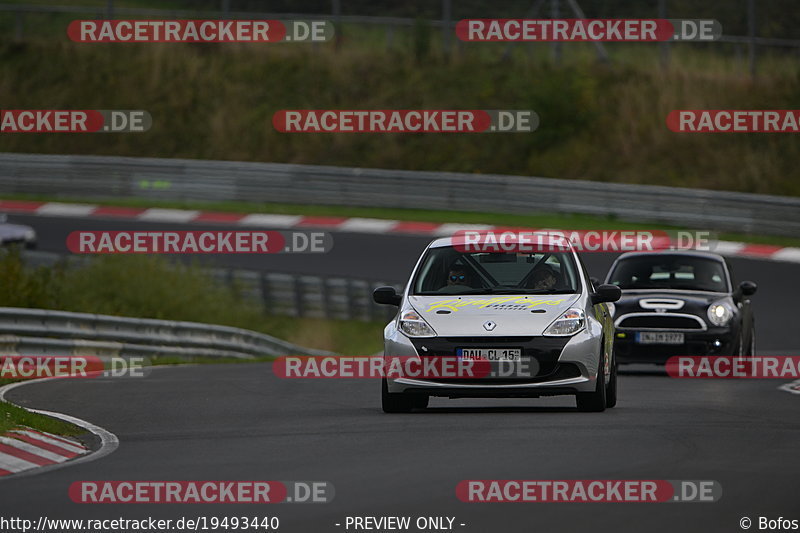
(594, 402)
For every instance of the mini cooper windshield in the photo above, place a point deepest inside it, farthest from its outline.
(449, 271)
(678, 272)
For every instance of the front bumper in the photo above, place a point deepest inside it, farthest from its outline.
(714, 341)
(549, 366)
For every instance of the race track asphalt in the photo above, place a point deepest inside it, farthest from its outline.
(229, 422)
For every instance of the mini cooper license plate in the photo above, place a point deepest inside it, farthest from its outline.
(659, 337)
(490, 354)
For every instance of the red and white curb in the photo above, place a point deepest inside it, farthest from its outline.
(25, 449)
(344, 224)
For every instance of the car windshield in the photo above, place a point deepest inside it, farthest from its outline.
(679, 272)
(449, 271)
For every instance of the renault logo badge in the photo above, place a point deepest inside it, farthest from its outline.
(489, 326)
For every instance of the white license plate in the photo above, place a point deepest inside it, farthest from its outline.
(490, 354)
(659, 337)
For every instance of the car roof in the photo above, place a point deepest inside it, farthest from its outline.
(542, 238)
(687, 253)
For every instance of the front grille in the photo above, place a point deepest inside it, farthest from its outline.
(516, 341)
(660, 322)
(550, 372)
(544, 350)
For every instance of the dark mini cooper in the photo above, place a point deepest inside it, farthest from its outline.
(679, 303)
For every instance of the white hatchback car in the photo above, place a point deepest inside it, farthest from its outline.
(536, 311)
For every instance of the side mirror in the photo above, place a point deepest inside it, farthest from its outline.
(748, 288)
(606, 293)
(386, 295)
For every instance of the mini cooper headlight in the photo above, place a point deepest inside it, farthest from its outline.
(414, 325)
(569, 323)
(720, 313)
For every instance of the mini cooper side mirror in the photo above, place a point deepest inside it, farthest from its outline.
(386, 295)
(747, 288)
(606, 293)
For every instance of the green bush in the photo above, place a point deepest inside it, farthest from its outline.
(149, 286)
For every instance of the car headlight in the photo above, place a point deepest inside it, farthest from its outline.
(30, 235)
(720, 313)
(414, 325)
(569, 323)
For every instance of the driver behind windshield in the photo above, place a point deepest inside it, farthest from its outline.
(544, 278)
(457, 276)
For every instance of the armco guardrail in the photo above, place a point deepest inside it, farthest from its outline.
(282, 293)
(181, 179)
(39, 331)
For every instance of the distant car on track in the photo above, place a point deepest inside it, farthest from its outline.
(680, 303)
(16, 234)
(538, 308)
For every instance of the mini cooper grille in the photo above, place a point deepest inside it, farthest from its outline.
(660, 322)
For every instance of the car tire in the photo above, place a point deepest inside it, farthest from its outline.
(594, 402)
(396, 402)
(611, 390)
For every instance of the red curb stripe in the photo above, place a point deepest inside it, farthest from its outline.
(25, 456)
(210, 216)
(415, 227)
(759, 249)
(54, 437)
(45, 445)
(113, 211)
(13, 205)
(322, 221)
(5, 472)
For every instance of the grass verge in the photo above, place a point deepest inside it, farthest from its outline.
(154, 287)
(12, 416)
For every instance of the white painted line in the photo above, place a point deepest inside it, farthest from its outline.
(271, 221)
(108, 441)
(156, 214)
(74, 448)
(14, 464)
(367, 225)
(787, 254)
(35, 450)
(792, 388)
(450, 229)
(56, 209)
(727, 247)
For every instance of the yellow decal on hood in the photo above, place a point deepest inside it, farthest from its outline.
(519, 302)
